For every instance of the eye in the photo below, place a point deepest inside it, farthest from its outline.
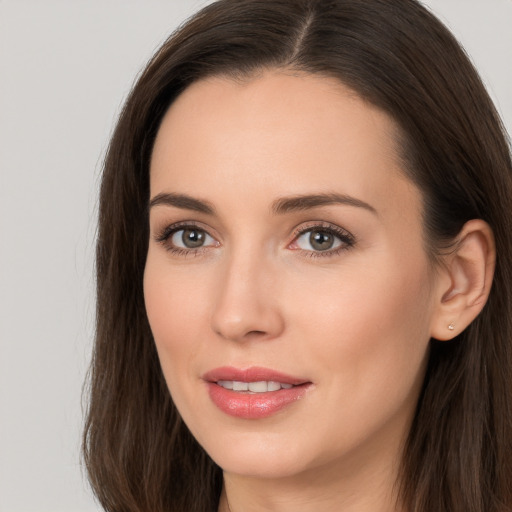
(317, 240)
(190, 238)
(322, 239)
(185, 239)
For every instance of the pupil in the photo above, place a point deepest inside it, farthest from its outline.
(321, 241)
(192, 238)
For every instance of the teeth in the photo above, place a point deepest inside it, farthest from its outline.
(240, 386)
(258, 387)
(228, 384)
(254, 387)
(274, 386)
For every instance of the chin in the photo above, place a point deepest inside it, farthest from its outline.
(261, 466)
(259, 456)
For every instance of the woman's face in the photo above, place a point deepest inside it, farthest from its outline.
(286, 261)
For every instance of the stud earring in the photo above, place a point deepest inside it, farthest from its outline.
(451, 327)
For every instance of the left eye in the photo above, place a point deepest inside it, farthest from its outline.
(319, 240)
(191, 238)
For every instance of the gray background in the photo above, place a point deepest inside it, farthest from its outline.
(65, 67)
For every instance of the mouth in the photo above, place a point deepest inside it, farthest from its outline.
(253, 393)
(260, 386)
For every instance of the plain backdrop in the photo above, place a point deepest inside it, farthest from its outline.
(65, 68)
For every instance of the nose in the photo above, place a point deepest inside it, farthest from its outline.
(247, 304)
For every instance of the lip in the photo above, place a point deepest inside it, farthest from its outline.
(253, 405)
(251, 374)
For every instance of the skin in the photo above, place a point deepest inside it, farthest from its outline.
(356, 323)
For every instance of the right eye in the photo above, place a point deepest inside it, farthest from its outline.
(190, 238)
(185, 239)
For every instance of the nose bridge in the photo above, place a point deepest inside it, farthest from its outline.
(245, 306)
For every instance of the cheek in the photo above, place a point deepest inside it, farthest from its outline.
(176, 305)
(370, 326)
(365, 336)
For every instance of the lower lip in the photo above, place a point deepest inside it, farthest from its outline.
(252, 406)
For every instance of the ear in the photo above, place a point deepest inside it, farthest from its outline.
(464, 280)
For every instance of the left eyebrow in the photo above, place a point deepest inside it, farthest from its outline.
(306, 202)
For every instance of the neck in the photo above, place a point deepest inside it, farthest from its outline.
(327, 489)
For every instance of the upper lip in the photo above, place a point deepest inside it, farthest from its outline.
(251, 374)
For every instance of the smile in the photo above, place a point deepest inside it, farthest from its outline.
(253, 393)
(254, 387)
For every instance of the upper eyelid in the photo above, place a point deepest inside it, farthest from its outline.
(328, 226)
(168, 229)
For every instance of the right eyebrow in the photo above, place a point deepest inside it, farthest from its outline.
(182, 201)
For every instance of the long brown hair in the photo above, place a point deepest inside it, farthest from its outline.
(396, 55)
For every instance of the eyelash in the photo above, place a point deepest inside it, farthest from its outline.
(347, 239)
(166, 234)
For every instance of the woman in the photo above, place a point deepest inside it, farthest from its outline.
(304, 280)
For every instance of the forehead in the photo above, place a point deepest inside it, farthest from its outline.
(279, 134)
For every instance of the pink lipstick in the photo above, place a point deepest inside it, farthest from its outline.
(253, 393)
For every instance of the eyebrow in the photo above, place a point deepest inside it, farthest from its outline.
(182, 201)
(279, 207)
(306, 202)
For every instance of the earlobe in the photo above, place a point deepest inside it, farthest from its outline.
(465, 281)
